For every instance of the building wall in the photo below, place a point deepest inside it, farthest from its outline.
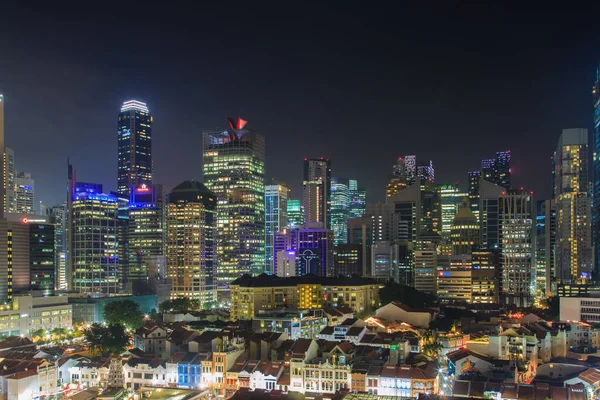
(247, 301)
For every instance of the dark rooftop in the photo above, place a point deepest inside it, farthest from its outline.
(264, 280)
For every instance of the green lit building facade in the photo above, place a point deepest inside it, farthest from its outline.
(234, 170)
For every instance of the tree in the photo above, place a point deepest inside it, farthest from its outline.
(432, 350)
(107, 340)
(124, 312)
(155, 316)
(551, 307)
(180, 305)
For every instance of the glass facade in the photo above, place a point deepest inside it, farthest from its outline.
(574, 248)
(316, 193)
(295, 214)
(276, 218)
(451, 198)
(517, 258)
(191, 242)
(596, 173)
(146, 234)
(234, 170)
(358, 200)
(134, 132)
(340, 209)
(95, 247)
(41, 257)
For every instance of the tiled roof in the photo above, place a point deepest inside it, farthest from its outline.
(301, 346)
(412, 309)
(328, 330)
(354, 331)
(591, 376)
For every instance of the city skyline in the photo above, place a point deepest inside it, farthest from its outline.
(293, 131)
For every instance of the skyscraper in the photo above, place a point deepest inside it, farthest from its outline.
(340, 209)
(134, 133)
(464, 230)
(94, 245)
(58, 216)
(596, 171)
(451, 199)
(474, 179)
(276, 218)
(42, 270)
(24, 194)
(497, 170)
(410, 169)
(192, 247)
(146, 235)
(234, 170)
(574, 249)
(360, 231)
(315, 252)
(3, 164)
(295, 214)
(358, 200)
(426, 172)
(516, 239)
(545, 247)
(9, 183)
(502, 170)
(316, 194)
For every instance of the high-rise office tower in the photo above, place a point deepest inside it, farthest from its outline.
(192, 248)
(464, 231)
(490, 213)
(385, 221)
(58, 215)
(9, 183)
(430, 212)
(394, 185)
(234, 170)
(358, 200)
(123, 239)
(497, 170)
(474, 179)
(398, 180)
(486, 276)
(410, 169)
(42, 270)
(94, 245)
(3, 208)
(146, 236)
(360, 231)
(451, 199)
(574, 248)
(545, 229)
(426, 172)
(340, 209)
(15, 255)
(502, 170)
(487, 169)
(316, 194)
(276, 218)
(134, 132)
(348, 259)
(385, 260)
(516, 241)
(295, 214)
(24, 194)
(596, 172)
(315, 252)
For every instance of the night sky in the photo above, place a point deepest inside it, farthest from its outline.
(356, 82)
